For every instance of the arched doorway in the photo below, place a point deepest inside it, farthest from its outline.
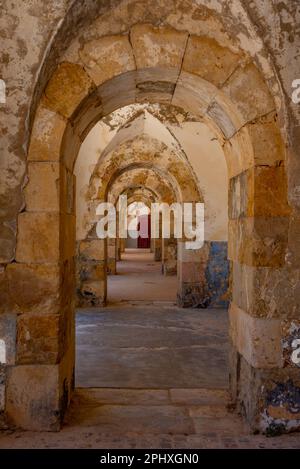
(75, 98)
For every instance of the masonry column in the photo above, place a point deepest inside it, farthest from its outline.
(192, 286)
(264, 312)
(111, 257)
(40, 375)
(169, 255)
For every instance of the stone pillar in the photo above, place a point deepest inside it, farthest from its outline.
(41, 284)
(111, 257)
(264, 312)
(157, 248)
(192, 285)
(91, 273)
(169, 255)
(122, 246)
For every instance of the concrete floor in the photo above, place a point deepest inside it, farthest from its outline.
(157, 347)
(149, 375)
(139, 279)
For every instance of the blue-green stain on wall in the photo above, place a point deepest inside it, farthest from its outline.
(217, 275)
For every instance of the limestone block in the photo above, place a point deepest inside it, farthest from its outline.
(32, 397)
(238, 152)
(118, 92)
(249, 93)
(259, 191)
(155, 84)
(257, 339)
(157, 46)
(107, 57)
(46, 136)
(38, 340)
(68, 86)
(193, 93)
(224, 117)
(270, 192)
(44, 297)
(267, 292)
(266, 140)
(42, 190)
(207, 58)
(92, 249)
(260, 241)
(238, 196)
(38, 237)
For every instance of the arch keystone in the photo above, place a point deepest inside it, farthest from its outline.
(157, 47)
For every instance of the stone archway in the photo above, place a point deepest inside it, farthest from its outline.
(74, 99)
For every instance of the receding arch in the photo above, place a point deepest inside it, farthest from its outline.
(73, 102)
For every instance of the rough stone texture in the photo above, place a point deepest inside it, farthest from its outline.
(259, 191)
(38, 237)
(258, 241)
(113, 51)
(257, 340)
(32, 399)
(92, 249)
(248, 91)
(66, 89)
(267, 142)
(46, 135)
(92, 293)
(38, 339)
(208, 59)
(42, 190)
(157, 47)
(263, 396)
(267, 292)
(44, 297)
